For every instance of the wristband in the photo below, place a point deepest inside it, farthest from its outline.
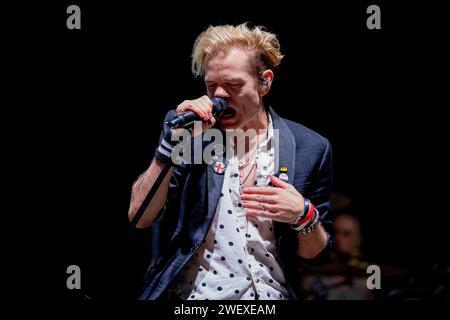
(305, 215)
(308, 216)
(309, 227)
(164, 151)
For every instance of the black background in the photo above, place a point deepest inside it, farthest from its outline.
(94, 99)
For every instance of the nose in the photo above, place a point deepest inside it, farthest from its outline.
(220, 92)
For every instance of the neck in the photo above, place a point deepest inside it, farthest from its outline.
(259, 121)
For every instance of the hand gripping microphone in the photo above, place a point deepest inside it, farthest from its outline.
(186, 119)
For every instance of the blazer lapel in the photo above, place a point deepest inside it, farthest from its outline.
(284, 146)
(214, 187)
(214, 182)
(285, 155)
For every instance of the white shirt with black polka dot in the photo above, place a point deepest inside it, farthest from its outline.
(238, 260)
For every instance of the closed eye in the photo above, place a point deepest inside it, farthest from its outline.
(210, 85)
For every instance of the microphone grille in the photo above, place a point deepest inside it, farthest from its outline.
(219, 104)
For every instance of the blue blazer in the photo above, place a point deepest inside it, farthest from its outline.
(194, 193)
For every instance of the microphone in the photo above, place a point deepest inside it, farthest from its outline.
(185, 119)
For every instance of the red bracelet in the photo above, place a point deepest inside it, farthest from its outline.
(308, 215)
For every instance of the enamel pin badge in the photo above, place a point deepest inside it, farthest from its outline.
(219, 167)
(283, 174)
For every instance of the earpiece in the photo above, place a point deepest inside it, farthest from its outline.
(264, 81)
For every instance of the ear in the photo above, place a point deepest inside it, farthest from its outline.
(265, 79)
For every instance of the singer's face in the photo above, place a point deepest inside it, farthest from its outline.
(228, 76)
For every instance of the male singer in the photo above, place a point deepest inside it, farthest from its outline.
(235, 228)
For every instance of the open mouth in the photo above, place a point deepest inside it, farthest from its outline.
(228, 112)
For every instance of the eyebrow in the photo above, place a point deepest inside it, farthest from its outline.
(227, 80)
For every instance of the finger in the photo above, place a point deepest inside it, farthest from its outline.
(201, 106)
(277, 182)
(204, 112)
(206, 104)
(259, 206)
(182, 107)
(208, 124)
(259, 198)
(259, 190)
(206, 109)
(251, 213)
(189, 106)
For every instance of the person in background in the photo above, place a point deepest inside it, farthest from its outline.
(343, 278)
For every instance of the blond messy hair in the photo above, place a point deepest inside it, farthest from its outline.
(264, 46)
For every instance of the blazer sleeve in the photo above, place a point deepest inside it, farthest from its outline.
(179, 173)
(322, 180)
(320, 196)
